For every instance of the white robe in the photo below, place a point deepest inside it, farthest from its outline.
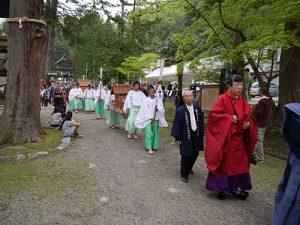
(100, 94)
(146, 113)
(133, 98)
(71, 95)
(108, 100)
(89, 93)
(77, 92)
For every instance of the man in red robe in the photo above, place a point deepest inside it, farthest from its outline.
(230, 141)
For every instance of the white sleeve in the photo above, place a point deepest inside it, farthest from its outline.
(144, 115)
(127, 103)
(85, 93)
(107, 100)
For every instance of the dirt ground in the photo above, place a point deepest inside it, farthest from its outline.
(106, 179)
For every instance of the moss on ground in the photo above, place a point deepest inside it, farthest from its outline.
(268, 174)
(43, 177)
(49, 141)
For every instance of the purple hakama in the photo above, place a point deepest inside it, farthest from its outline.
(228, 183)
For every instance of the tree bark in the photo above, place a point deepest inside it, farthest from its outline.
(289, 78)
(180, 70)
(20, 121)
(48, 51)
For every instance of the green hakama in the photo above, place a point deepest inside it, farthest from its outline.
(100, 108)
(152, 136)
(72, 105)
(89, 105)
(130, 123)
(113, 118)
(76, 103)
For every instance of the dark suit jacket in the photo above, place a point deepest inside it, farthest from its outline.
(181, 130)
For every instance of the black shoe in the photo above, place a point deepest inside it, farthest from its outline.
(241, 194)
(184, 179)
(221, 195)
(191, 172)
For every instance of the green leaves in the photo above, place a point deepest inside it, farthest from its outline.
(135, 67)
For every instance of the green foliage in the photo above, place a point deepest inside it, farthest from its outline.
(134, 67)
(94, 43)
(3, 28)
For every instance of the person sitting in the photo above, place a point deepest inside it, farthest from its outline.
(56, 117)
(70, 127)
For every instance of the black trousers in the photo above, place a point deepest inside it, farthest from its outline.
(187, 163)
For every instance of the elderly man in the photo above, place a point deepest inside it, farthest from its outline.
(230, 140)
(188, 131)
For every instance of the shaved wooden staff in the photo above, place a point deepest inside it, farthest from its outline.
(153, 121)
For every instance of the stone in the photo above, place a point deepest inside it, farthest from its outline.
(172, 190)
(92, 165)
(65, 140)
(60, 148)
(104, 199)
(5, 158)
(33, 156)
(142, 161)
(20, 157)
(41, 153)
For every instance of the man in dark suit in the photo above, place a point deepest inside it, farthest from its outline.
(188, 131)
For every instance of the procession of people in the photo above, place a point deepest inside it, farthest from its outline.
(234, 132)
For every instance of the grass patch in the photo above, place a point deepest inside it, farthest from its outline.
(49, 141)
(41, 177)
(268, 174)
(165, 133)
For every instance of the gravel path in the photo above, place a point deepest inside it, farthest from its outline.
(119, 183)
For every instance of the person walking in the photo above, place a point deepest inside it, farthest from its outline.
(230, 140)
(151, 116)
(188, 131)
(133, 102)
(261, 114)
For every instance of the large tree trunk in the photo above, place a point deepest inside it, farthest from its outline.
(20, 122)
(289, 79)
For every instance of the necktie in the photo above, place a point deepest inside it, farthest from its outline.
(193, 120)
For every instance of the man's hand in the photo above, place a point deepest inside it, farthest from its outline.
(178, 143)
(246, 125)
(234, 119)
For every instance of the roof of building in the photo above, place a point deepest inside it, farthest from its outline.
(64, 64)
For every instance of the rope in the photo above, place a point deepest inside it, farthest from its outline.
(21, 20)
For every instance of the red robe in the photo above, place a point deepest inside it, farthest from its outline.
(229, 148)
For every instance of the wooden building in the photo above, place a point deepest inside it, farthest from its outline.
(65, 67)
